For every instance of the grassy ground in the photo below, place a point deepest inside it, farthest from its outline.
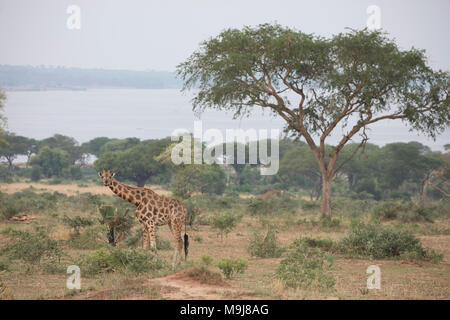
(399, 279)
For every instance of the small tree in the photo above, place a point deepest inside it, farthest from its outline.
(13, 147)
(225, 222)
(136, 163)
(51, 161)
(349, 81)
(76, 223)
(119, 224)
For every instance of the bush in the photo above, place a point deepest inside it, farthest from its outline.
(324, 244)
(225, 222)
(272, 205)
(76, 223)
(310, 205)
(419, 213)
(381, 242)
(32, 247)
(136, 241)
(5, 175)
(89, 238)
(331, 223)
(36, 173)
(192, 212)
(9, 211)
(118, 224)
(206, 260)
(265, 245)
(231, 266)
(306, 268)
(388, 210)
(4, 266)
(120, 260)
(203, 274)
(26, 201)
(75, 172)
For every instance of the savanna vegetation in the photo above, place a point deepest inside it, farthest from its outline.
(251, 235)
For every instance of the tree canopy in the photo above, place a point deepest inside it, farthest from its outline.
(349, 81)
(137, 163)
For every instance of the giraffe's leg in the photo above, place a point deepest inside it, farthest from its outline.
(144, 237)
(176, 232)
(152, 234)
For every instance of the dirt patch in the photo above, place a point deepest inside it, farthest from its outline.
(181, 286)
(178, 286)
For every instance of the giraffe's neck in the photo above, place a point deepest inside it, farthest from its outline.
(124, 191)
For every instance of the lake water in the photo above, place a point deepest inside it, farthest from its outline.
(145, 114)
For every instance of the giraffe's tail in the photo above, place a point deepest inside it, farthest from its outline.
(186, 245)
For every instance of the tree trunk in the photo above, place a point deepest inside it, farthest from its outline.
(111, 239)
(325, 207)
(350, 182)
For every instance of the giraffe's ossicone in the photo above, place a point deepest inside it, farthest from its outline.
(152, 210)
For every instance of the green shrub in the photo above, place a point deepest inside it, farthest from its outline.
(382, 242)
(265, 244)
(231, 266)
(225, 222)
(419, 213)
(120, 260)
(309, 205)
(388, 210)
(162, 244)
(76, 223)
(324, 244)
(36, 173)
(206, 260)
(272, 205)
(259, 206)
(135, 240)
(9, 211)
(5, 175)
(328, 222)
(118, 223)
(4, 266)
(306, 268)
(192, 212)
(89, 238)
(28, 201)
(75, 172)
(32, 247)
(203, 274)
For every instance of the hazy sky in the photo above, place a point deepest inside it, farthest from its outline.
(159, 34)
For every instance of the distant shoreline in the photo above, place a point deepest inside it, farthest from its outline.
(43, 78)
(25, 89)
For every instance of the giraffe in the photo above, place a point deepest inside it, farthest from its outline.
(152, 210)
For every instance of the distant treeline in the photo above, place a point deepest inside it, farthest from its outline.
(42, 78)
(397, 170)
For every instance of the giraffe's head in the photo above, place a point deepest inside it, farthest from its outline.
(107, 176)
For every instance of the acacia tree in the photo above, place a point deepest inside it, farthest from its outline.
(136, 163)
(349, 81)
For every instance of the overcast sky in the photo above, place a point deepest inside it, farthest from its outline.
(159, 34)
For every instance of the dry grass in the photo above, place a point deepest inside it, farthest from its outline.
(399, 279)
(68, 189)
